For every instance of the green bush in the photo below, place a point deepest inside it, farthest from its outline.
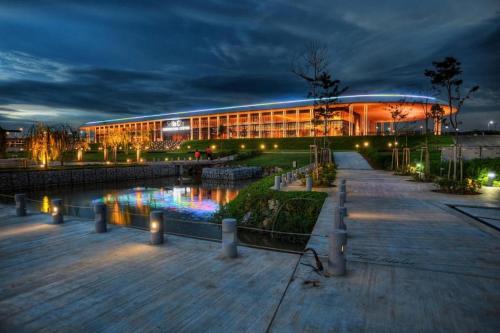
(259, 204)
(466, 186)
(325, 176)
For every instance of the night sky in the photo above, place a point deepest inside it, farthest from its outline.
(77, 61)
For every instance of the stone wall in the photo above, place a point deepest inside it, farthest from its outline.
(23, 180)
(231, 174)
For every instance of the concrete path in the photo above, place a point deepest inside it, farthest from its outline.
(414, 265)
(351, 160)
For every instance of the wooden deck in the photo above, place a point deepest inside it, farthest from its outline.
(66, 278)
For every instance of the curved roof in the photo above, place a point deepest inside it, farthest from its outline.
(348, 99)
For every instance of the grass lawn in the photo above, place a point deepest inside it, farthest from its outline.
(282, 160)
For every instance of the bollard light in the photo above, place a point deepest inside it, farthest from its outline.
(229, 238)
(294, 164)
(20, 204)
(277, 182)
(57, 215)
(288, 177)
(309, 183)
(491, 177)
(337, 241)
(100, 218)
(156, 227)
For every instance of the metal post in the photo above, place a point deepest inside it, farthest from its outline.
(342, 197)
(294, 164)
(20, 204)
(277, 182)
(288, 177)
(283, 179)
(100, 218)
(337, 240)
(57, 215)
(156, 227)
(309, 183)
(343, 212)
(229, 238)
(338, 219)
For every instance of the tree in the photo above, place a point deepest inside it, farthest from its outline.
(428, 115)
(139, 141)
(115, 138)
(64, 138)
(221, 130)
(313, 67)
(41, 144)
(446, 77)
(3, 142)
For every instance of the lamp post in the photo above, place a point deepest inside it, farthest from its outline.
(156, 227)
(490, 123)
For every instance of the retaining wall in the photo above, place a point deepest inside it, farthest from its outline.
(38, 179)
(231, 174)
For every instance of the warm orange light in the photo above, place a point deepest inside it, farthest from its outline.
(242, 146)
(214, 146)
(275, 146)
(262, 146)
(154, 226)
(366, 143)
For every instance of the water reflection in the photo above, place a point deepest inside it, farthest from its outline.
(181, 202)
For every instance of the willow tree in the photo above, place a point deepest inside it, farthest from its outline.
(41, 145)
(446, 77)
(64, 139)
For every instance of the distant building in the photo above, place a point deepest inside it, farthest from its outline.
(354, 115)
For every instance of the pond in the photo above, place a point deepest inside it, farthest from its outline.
(188, 206)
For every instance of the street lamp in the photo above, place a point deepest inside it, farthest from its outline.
(491, 122)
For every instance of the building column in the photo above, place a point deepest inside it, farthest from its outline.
(272, 124)
(260, 124)
(365, 119)
(297, 123)
(312, 130)
(199, 128)
(217, 129)
(284, 124)
(191, 134)
(351, 119)
(237, 125)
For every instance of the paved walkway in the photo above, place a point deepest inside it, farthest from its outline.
(351, 160)
(414, 264)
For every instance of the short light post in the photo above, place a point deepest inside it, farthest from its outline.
(309, 183)
(277, 182)
(100, 218)
(342, 198)
(57, 214)
(294, 164)
(229, 238)
(289, 177)
(337, 241)
(20, 204)
(283, 179)
(491, 177)
(156, 227)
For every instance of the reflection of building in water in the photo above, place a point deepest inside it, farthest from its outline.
(45, 204)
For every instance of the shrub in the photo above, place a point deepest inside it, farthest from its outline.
(324, 177)
(259, 205)
(466, 186)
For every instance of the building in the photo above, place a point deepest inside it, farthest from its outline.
(354, 115)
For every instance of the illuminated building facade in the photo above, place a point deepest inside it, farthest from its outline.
(354, 115)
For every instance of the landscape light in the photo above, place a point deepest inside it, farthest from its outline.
(178, 147)
(189, 147)
(389, 144)
(242, 146)
(141, 160)
(166, 158)
(214, 146)
(357, 146)
(275, 145)
(262, 146)
(366, 144)
(491, 176)
(108, 162)
(396, 143)
(128, 160)
(190, 158)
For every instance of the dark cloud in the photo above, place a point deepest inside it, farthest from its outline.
(95, 60)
